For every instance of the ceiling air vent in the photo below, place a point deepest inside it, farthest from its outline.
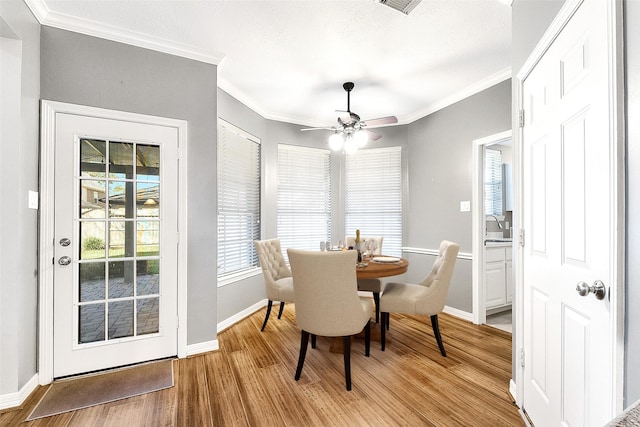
(404, 6)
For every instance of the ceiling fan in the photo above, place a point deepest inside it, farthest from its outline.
(352, 132)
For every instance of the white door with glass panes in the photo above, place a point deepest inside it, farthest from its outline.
(572, 242)
(116, 241)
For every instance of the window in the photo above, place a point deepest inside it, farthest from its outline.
(304, 197)
(492, 182)
(238, 199)
(373, 196)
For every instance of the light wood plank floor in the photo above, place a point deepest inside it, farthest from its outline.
(249, 382)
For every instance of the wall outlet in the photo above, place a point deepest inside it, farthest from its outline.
(465, 206)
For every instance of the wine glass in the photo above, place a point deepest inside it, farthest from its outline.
(340, 244)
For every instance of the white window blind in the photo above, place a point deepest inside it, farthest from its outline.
(304, 197)
(492, 182)
(238, 199)
(373, 196)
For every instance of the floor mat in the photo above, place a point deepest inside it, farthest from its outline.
(82, 392)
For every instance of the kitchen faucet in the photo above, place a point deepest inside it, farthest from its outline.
(497, 220)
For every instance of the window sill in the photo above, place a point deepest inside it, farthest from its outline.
(236, 277)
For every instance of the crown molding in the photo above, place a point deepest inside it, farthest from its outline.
(477, 87)
(91, 28)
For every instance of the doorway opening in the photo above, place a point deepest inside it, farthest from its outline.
(492, 230)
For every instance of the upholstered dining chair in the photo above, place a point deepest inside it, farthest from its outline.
(370, 285)
(277, 275)
(425, 298)
(327, 302)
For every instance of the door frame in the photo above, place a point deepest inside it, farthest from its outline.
(49, 109)
(617, 232)
(479, 309)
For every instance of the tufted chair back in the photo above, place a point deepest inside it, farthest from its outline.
(273, 266)
(278, 282)
(439, 278)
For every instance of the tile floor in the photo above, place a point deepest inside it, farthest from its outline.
(501, 320)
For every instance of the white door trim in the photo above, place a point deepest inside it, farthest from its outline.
(616, 70)
(49, 109)
(477, 196)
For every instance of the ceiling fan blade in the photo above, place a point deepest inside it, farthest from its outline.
(381, 121)
(373, 136)
(331, 128)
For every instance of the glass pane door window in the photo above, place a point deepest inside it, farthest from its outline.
(119, 228)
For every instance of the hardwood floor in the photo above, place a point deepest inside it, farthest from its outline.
(249, 382)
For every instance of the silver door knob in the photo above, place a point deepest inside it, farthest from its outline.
(65, 242)
(598, 289)
(65, 260)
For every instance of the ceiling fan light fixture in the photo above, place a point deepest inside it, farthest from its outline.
(350, 145)
(336, 141)
(361, 138)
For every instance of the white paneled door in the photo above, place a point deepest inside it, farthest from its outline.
(115, 243)
(570, 223)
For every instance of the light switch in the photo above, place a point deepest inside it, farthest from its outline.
(465, 206)
(33, 200)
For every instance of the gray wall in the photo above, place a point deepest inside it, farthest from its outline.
(440, 177)
(18, 225)
(90, 71)
(632, 324)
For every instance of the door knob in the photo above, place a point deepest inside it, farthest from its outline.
(65, 242)
(65, 260)
(598, 289)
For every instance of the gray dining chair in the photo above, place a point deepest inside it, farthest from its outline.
(370, 285)
(426, 298)
(327, 301)
(278, 281)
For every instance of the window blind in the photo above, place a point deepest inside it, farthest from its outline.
(373, 196)
(304, 197)
(238, 199)
(492, 182)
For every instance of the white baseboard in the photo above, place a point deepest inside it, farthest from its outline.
(204, 347)
(512, 390)
(12, 400)
(241, 315)
(458, 313)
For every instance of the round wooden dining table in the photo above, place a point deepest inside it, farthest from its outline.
(370, 269)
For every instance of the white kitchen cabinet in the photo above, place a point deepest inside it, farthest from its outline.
(497, 276)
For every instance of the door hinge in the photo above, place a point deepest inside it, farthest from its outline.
(521, 237)
(522, 357)
(521, 118)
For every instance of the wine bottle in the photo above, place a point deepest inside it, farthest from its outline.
(359, 245)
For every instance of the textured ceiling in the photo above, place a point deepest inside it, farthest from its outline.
(288, 59)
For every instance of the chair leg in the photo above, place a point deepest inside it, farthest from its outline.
(383, 330)
(436, 332)
(266, 317)
(367, 338)
(313, 341)
(304, 342)
(346, 346)
(376, 299)
(281, 308)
